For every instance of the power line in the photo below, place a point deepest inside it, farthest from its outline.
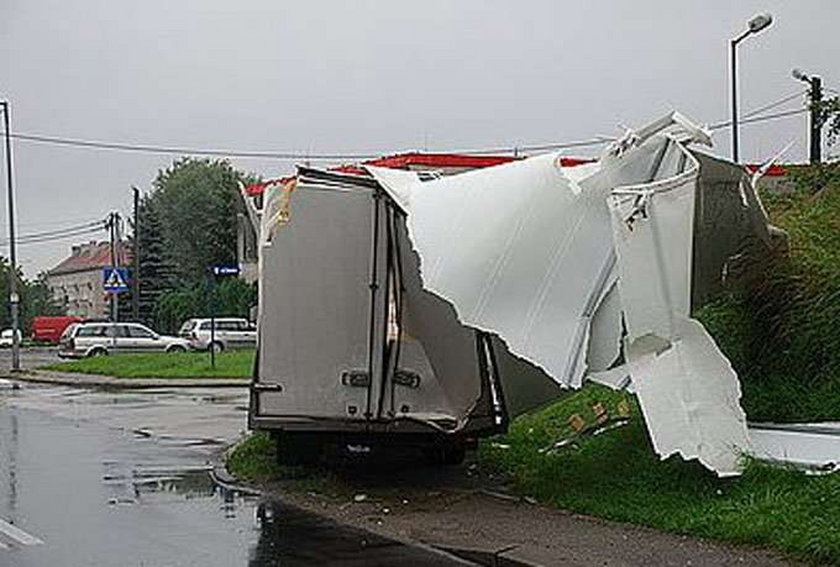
(49, 236)
(748, 118)
(728, 123)
(99, 223)
(52, 238)
(773, 105)
(185, 151)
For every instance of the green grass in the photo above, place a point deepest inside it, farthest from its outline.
(782, 335)
(617, 476)
(254, 459)
(233, 363)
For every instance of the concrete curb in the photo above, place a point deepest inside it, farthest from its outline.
(114, 383)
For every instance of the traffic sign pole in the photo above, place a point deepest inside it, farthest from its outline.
(217, 271)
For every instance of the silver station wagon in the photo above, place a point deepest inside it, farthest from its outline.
(96, 339)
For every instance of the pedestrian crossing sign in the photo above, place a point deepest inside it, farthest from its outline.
(115, 280)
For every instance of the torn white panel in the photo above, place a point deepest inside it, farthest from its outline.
(689, 396)
(519, 250)
(617, 378)
(687, 389)
(807, 444)
(396, 182)
(605, 330)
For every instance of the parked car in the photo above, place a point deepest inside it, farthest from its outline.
(94, 339)
(6, 338)
(230, 332)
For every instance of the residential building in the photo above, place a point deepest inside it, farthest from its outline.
(76, 282)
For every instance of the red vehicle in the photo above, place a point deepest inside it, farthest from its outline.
(49, 329)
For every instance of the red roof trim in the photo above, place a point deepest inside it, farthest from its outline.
(399, 161)
(404, 161)
(773, 171)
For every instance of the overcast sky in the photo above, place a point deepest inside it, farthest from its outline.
(375, 76)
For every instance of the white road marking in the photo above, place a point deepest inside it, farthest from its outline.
(18, 534)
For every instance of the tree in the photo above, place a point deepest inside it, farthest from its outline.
(228, 297)
(37, 299)
(829, 114)
(197, 202)
(156, 272)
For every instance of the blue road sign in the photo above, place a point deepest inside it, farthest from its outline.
(226, 270)
(115, 280)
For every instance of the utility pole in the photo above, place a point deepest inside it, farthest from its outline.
(815, 94)
(14, 298)
(135, 280)
(816, 120)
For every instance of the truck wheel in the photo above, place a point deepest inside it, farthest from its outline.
(446, 455)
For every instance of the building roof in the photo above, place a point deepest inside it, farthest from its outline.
(90, 256)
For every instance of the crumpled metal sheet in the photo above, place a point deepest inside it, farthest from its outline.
(498, 245)
(686, 388)
(527, 250)
(809, 445)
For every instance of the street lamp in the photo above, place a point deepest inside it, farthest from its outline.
(755, 25)
(815, 95)
(14, 298)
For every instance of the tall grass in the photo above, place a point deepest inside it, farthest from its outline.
(783, 334)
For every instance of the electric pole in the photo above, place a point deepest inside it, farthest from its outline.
(135, 280)
(815, 94)
(14, 298)
(816, 120)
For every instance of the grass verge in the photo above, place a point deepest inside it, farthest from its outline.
(229, 364)
(782, 334)
(254, 460)
(616, 475)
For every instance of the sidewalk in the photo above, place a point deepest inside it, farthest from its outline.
(492, 530)
(112, 382)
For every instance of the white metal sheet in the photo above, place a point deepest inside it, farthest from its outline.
(687, 389)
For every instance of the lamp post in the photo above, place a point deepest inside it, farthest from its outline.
(815, 94)
(14, 298)
(755, 25)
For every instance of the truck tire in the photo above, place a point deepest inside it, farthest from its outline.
(450, 454)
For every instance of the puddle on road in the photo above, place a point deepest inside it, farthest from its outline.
(158, 483)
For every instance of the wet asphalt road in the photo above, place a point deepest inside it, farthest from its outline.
(122, 479)
(30, 358)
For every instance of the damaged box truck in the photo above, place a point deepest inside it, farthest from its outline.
(415, 308)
